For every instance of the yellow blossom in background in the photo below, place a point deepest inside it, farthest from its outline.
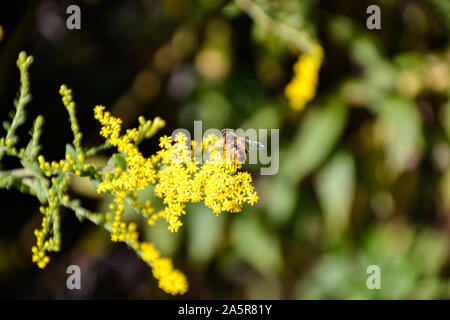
(302, 87)
(1, 33)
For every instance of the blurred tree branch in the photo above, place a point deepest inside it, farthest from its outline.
(299, 39)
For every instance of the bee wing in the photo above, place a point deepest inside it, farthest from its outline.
(253, 145)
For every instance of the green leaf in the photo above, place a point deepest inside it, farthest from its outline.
(60, 178)
(431, 251)
(5, 179)
(6, 125)
(41, 187)
(279, 198)
(206, 232)
(70, 150)
(32, 166)
(335, 184)
(315, 140)
(366, 52)
(402, 132)
(31, 151)
(445, 118)
(95, 182)
(256, 245)
(267, 117)
(166, 241)
(117, 160)
(231, 10)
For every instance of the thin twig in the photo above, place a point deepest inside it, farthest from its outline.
(20, 173)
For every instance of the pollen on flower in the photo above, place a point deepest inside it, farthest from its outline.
(303, 85)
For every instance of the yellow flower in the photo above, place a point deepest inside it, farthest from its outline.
(169, 279)
(1, 33)
(118, 215)
(178, 179)
(140, 171)
(302, 87)
(165, 142)
(218, 184)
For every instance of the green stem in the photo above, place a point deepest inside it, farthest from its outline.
(300, 39)
(96, 218)
(94, 150)
(20, 173)
(23, 63)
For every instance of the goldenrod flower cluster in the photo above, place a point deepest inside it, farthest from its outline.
(39, 256)
(76, 166)
(169, 279)
(173, 171)
(140, 172)
(66, 94)
(181, 180)
(302, 87)
(49, 237)
(177, 177)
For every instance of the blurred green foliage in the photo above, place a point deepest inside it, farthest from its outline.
(364, 173)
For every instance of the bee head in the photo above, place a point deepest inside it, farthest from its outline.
(226, 132)
(229, 137)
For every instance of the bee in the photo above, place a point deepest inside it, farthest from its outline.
(235, 147)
